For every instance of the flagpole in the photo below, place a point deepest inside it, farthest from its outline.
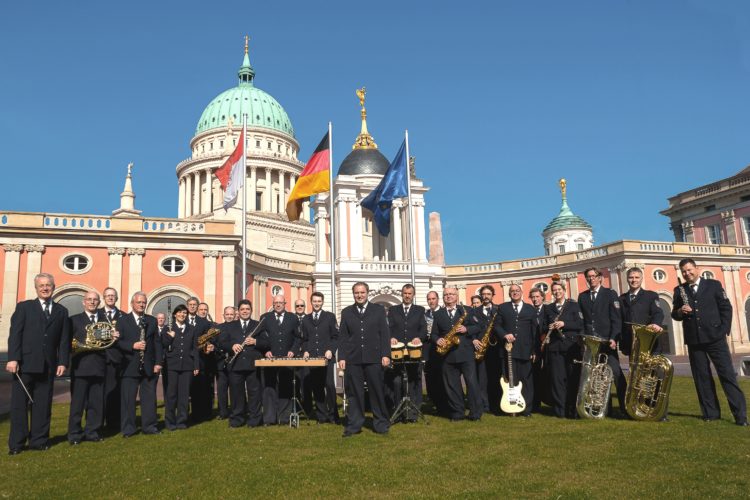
(409, 210)
(332, 225)
(244, 207)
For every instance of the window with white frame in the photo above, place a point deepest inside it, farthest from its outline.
(660, 276)
(707, 275)
(713, 234)
(746, 229)
(75, 263)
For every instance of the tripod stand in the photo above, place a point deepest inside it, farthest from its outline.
(406, 406)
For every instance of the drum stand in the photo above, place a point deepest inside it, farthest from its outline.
(406, 403)
(297, 409)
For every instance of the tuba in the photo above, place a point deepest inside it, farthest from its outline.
(595, 383)
(650, 377)
(99, 336)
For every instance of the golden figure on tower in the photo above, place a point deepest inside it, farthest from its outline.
(364, 139)
(563, 187)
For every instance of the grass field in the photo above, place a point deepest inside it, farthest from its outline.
(541, 457)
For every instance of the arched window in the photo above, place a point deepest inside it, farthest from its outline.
(707, 275)
(660, 276)
(173, 265)
(164, 303)
(73, 303)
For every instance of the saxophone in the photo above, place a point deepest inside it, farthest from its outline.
(595, 382)
(452, 338)
(486, 341)
(650, 377)
(204, 339)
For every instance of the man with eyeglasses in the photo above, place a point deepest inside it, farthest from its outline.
(201, 387)
(282, 329)
(600, 307)
(112, 378)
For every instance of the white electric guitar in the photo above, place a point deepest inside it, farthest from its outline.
(512, 401)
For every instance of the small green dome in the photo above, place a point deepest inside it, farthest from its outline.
(566, 219)
(262, 110)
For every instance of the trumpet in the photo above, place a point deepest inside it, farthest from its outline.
(249, 335)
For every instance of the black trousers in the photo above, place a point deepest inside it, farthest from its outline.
(395, 386)
(202, 396)
(277, 395)
(454, 391)
(434, 380)
(177, 399)
(112, 397)
(222, 392)
(613, 360)
(482, 382)
(40, 387)
(131, 387)
(164, 379)
(87, 394)
(320, 387)
(717, 352)
(560, 366)
(523, 372)
(246, 397)
(493, 371)
(355, 378)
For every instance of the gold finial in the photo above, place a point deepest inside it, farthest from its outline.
(247, 39)
(364, 139)
(563, 188)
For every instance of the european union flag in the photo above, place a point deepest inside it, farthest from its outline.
(393, 186)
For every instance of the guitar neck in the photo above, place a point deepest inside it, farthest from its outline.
(510, 370)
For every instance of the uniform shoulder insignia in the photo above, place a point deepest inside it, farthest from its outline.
(724, 294)
(616, 303)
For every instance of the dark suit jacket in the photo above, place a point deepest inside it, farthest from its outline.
(711, 318)
(231, 333)
(403, 328)
(36, 342)
(114, 356)
(601, 318)
(571, 316)
(91, 363)
(464, 351)
(320, 336)
(365, 339)
(130, 334)
(523, 325)
(282, 337)
(644, 310)
(181, 351)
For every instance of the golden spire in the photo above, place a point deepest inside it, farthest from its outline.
(247, 39)
(364, 139)
(563, 188)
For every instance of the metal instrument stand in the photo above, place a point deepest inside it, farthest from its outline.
(297, 410)
(406, 403)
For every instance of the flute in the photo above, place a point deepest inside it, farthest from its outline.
(249, 335)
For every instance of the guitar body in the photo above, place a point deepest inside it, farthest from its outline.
(512, 400)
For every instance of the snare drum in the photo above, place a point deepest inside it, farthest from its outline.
(415, 351)
(397, 351)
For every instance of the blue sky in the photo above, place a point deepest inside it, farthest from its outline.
(631, 101)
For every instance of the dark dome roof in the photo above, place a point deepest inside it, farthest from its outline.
(364, 161)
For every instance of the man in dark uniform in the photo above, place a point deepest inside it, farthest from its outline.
(541, 385)
(320, 335)
(488, 370)
(407, 325)
(706, 318)
(161, 330)
(201, 388)
(301, 373)
(364, 351)
(459, 360)
(283, 336)
(433, 367)
(38, 350)
(222, 372)
(87, 371)
(244, 377)
(602, 318)
(112, 379)
(140, 368)
(516, 324)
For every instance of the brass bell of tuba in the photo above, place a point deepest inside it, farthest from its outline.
(595, 383)
(650, 377)
(99, 336)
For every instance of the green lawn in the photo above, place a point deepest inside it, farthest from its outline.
(499, 456)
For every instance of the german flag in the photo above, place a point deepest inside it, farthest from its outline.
(314, 179)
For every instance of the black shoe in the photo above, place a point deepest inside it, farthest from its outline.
(95, 439)
(75, 442)
(43, 447)
(742, 424)
(14, 451)
(711, 419)
(153, 433)
(347, 434)
(128, 435)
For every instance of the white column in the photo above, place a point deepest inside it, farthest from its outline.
(196, 193)
(729, 289)
(355, 232)
(461, 293)
(227, 279)
(209, 279)
(255, 297)
(135, 271)
(188, 195)
(396, 235)
(10, 291)
(282, 194)
(181, 199)
(740, 306)
(294, 295)
(274, 198)
(114, 279)
(262, 292)
(252, 189)
(342, 231)
(206, 206)
(419, 231)
(269, 192)
(33, 267)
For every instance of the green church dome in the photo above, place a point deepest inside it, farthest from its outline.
(262, 110)
(566, 219)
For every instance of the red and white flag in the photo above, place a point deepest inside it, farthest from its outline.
(232, 173)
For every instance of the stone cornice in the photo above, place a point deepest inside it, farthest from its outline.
(136, 251)
(210, 253)
(34, 248)
(13, 248)
(116, 251)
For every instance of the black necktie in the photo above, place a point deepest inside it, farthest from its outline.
(695, 288)
(515, 308)
(316, 316)
(406, 311)
(450, 312)
(244, 327)
(192, 321)
(361, 310)
(141, 323)
(278, 318)
(487, 311)
(111, 315)
(46, 309)
(593, 296)
(429, 313)
(632, 297)
(93, 318)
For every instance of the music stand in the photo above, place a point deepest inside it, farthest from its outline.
(294, 416)
(406, 402)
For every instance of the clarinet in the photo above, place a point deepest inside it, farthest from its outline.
(249, 335)
(683, 293)
(142, 354)
(169, 319)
